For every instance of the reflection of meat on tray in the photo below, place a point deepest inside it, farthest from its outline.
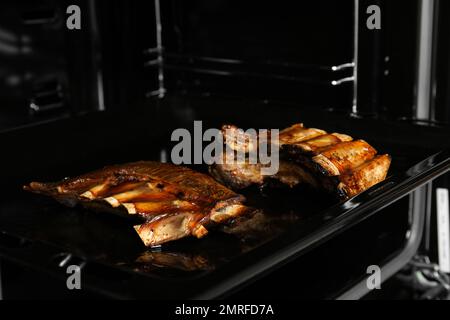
(261, 226)
(175, 260)
(239, 236)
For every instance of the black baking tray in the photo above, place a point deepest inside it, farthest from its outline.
(42, 234)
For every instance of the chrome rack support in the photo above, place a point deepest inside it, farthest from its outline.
(97, 57)
(345, 66)
(418, 205)
(355, 58)
(425, 60)
(159, 46)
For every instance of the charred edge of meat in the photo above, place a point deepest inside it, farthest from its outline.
(243, 176)
(292, 174)
(237, 176)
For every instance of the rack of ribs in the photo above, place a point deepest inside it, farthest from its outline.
(332, 162)
(173, 202)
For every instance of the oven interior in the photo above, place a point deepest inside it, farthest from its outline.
(137, 71)
(103, 242)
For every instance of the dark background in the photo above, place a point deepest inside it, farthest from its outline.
(251, 49)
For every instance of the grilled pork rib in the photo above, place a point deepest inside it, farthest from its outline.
(332, 162)
(173, 201)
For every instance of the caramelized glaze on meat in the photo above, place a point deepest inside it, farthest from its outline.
(173, 201)
(333, 162)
